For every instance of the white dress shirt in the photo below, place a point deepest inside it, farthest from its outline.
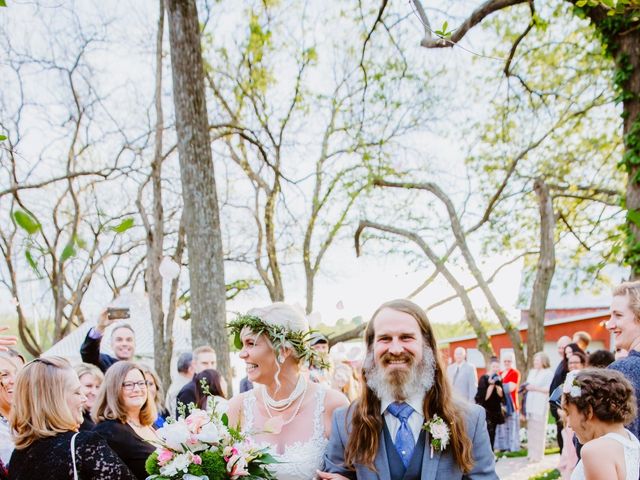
(415, 420)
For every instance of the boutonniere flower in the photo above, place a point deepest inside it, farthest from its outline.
(439, 432)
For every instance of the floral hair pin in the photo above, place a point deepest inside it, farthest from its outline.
(439, 432)
(571, 385)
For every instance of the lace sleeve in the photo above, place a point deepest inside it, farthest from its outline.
(96, 460)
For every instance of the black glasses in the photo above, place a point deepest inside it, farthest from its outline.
(130, 386)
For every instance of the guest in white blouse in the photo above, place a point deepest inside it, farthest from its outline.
(537, 405)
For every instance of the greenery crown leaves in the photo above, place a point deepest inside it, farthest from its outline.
(279, 337)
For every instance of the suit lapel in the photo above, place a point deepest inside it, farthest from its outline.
(382, 461)
(429, 465)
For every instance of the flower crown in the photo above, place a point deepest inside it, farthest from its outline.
(279, 336)
(571, 385)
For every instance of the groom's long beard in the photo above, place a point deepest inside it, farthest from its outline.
(399, 384)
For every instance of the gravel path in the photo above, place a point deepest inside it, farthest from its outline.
(520, 469)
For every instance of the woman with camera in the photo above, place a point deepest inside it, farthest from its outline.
(490, 395)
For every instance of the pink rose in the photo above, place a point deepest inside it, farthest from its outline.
(164, 456)
(196, 420)
(196, 459)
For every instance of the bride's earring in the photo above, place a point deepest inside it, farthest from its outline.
(280, 358)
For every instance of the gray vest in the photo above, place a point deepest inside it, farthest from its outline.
(396, 467)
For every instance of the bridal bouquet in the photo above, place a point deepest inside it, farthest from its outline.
(202, 446)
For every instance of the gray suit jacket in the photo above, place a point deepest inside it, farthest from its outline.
(441, 466)
(465, 383)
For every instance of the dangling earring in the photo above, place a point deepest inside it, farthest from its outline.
(280, 358)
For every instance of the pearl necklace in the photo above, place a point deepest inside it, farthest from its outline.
(280, 405)
(295, 413)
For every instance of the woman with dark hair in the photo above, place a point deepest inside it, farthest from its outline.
(45, 420)
(124, 415)
(210, 388)
(491, 396)
(598, 403)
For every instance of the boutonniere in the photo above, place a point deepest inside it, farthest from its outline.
(439, 432)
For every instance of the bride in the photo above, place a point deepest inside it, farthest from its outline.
(284, 410)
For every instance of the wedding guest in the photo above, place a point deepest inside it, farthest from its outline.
(45, 420)
(600, 359)
(558, 379)
(582, 339)
(91, 377)
(597, 404)
(8, 372)
(508, 434)
(185, 375)
(123, 342)
(624, 326)
(462, 375)
(491, 396)
(155, 392)
(124, 415)
(210, 390)
(345, 380)
(569, 452)
(274, 348)
(537, 405)
(204, 357)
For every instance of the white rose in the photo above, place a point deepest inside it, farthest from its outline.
(175, 435)
(179, 464)
(209, 433)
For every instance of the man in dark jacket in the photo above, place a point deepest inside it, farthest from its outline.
(558, 379)
(123, 343)
(204, 358)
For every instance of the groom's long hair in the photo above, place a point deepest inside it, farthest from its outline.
(366, 421)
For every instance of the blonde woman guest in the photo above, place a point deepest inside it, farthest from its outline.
(91, 377)
(8, 372)
(597, 404)
(537, 405)
(45, 420)
(156, 392)
(274, 342)
(124, 415)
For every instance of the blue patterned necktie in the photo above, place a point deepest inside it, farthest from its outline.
(404, 442)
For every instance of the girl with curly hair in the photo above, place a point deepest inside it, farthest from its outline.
(597, 404)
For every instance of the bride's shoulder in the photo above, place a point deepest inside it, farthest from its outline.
(333, 399)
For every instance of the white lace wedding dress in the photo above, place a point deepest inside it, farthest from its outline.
(631, 456)
(299, 460)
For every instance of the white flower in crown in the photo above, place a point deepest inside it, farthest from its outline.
(439, 432)
(571, 385)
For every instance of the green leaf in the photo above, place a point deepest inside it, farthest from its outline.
(634, 216)
(3, 3)
(123, 226)
(31, 260)
(237, 342)
(2, 137)
(27, 221)
(68, 252)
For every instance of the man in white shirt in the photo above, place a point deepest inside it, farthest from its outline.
(463, 376)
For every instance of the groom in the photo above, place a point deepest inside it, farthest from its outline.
(381, 435)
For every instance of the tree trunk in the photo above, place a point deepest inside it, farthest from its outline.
(202, 220)
(628, 59)
(544, 273)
